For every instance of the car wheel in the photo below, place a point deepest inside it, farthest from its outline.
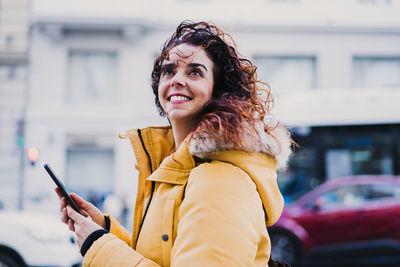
(283, 247)
(8, 261)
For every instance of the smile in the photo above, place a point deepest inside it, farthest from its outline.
(179, 98)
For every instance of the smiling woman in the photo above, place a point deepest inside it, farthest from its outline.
(207, 183)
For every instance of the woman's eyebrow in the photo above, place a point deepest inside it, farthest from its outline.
(197, 65)
(169, 66)
(173, 65)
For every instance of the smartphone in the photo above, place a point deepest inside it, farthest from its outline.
(62, 188)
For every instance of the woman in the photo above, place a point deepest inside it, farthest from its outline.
(207, 184)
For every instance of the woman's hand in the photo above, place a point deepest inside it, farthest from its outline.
(83, 226)
(87, 210)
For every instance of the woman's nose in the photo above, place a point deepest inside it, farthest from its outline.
(178, 80)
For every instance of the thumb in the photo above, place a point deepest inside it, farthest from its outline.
(81, 203)
(88, 209)
(78, 200)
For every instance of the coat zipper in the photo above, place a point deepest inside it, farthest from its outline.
(152, 185)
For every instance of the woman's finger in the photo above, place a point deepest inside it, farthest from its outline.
(58, 192)
(71, 225)
(76, 217)
(64, 216)
(63, 203)
(61, 206)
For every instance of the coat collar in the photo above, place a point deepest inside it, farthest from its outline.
(152, 147)
(175, 168)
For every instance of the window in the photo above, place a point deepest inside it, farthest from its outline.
(286, 73)
(92, 77)
(383, 192)
(356, 196)
(300, 176)
(357, 161)
(358, 151)
(90, 172)
(376, 71)
(342, 197)
(12, 72)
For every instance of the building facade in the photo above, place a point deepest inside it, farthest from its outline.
(14, 37)
(335, 78)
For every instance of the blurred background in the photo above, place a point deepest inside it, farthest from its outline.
(75, 74)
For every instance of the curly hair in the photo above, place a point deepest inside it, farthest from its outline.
(238, 100)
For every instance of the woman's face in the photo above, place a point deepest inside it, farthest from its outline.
(186, 83)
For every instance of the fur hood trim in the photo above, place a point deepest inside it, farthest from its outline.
(276, 144)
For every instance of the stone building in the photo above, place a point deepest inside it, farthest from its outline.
(333, 66)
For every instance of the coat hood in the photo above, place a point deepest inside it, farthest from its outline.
(270, 153)
(260, 161)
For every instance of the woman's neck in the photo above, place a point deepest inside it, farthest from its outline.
(181, 130)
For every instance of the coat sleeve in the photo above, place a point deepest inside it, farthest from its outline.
(219, 218)
(115, 249)
(109, 250)
(118, 230)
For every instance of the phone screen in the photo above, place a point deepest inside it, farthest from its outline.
(62, 188)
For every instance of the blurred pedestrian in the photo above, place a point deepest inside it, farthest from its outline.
(207, 183)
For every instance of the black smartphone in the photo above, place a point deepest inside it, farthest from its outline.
(62, 188)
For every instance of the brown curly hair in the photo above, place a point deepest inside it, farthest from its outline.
(239, 100)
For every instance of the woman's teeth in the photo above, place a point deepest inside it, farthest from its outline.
(179, 98)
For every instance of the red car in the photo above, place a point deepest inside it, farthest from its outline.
(353, 219)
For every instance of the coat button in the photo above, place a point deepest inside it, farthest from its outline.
(165, 237)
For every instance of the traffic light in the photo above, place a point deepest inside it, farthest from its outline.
(33, 154)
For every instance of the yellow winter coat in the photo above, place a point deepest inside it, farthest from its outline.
(206, 208)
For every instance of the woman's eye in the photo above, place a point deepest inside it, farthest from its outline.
(195, 72)
(167, 72)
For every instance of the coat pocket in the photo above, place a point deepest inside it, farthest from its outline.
(167, 231)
